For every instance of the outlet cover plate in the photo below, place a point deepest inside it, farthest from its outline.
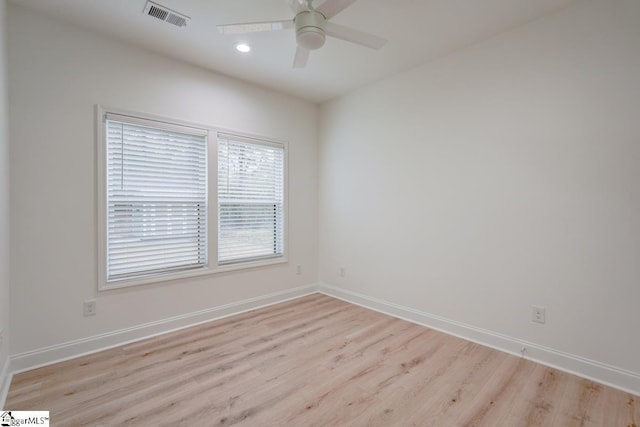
(89, 308)
(538, 314)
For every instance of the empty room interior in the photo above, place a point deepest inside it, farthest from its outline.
(327, 212)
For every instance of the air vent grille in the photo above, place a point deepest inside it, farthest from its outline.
(165, 14)
(156, 12)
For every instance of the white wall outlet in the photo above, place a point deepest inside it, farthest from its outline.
(298, 269)
(538, 314)
(1, 337)
(343, 271)
(89, 307)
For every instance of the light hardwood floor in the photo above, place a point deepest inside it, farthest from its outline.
(314, 361)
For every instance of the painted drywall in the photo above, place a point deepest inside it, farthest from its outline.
(57, 73)
(497, 178)
(4, 200)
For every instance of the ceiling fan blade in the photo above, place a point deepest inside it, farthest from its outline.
(302, 56)
(254, 27)
(331, 8)
(354, 36)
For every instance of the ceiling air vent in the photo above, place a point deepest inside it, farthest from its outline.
(165, 14)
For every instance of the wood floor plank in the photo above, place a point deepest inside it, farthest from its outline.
(314, 361)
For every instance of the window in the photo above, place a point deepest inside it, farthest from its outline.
(177, 200)
(155, 202)
(250, 199)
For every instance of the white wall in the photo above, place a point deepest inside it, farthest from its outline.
(498, 177)
(57, 73)
(4, 199)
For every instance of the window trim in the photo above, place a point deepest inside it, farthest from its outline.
(212, 267)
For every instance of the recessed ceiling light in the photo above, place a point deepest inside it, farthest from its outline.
(243, 47)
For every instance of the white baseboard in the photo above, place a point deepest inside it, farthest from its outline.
(57, 353)
(5, 382)
(609, 375)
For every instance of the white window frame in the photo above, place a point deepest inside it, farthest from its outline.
(212, 266)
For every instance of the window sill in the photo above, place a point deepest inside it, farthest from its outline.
(251, 264)
(159, 278)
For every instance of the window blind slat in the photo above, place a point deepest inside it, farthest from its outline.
(151, 254)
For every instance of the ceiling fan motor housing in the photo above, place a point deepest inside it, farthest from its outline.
(310, 29)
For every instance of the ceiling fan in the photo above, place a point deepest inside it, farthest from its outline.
(312, 25)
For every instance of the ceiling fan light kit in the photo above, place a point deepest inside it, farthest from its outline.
(312, 27)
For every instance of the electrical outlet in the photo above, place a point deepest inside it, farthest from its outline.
(298, 269)
(89, 308)
(343, 271)
(1, 337)
(538, 314)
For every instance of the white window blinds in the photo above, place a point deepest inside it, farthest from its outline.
(156, 197)
(250, 199)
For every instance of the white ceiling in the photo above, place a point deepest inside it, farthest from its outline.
(418, 31)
